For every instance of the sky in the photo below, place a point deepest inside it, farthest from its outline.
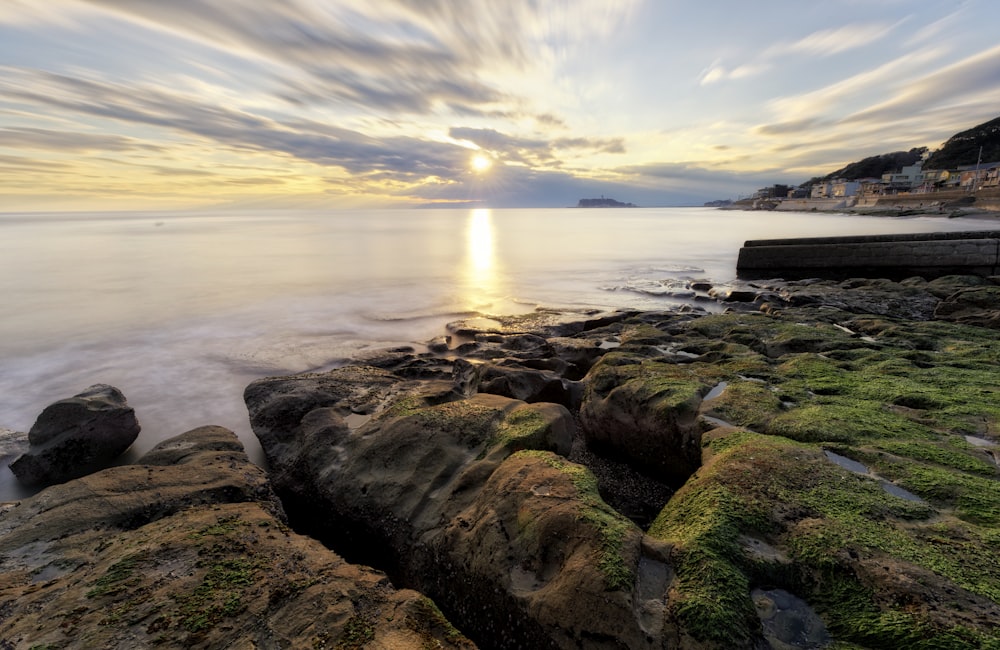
(200, 104)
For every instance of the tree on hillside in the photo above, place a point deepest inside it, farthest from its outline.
(963, 148)
(875, 166)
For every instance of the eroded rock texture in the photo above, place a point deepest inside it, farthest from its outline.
(833, 447)
(189, 549)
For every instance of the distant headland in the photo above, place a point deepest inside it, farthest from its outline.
(604, 203)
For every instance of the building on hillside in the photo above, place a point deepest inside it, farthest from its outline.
(821, 191)
(972, 177)
(934, 179)
(992, 177)
(841, 188)
(904, 180)
(871, 187)
(777, 191)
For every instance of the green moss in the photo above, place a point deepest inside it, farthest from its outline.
(426, 619)
(118, 578)
(938, 454)
(224, 526)
(703, 523)
(843, 421)
(900, 406)
(976, 499)
(612, 527)
(219, 595)
(852, 614)
(747, 403)
(524, 428)
(358, 631)
(403, 407)
(670, 385)
(643, 334)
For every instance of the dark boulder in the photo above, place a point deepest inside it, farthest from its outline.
(76, 436)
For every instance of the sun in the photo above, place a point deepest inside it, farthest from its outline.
(480, 163)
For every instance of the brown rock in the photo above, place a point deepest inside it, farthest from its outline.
(189, 549)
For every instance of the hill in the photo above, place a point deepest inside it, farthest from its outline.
(875, 166)
(963, 148)
(960, 149)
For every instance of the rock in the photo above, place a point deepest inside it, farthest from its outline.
(566, 564)
(644, 411)
(978, 306)
(473, 502)
(733, 295)
(77, 435)
(528, 385)
(468, 495)
(190, 549)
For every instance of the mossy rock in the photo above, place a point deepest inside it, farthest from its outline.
(832, 531)
(644, 410)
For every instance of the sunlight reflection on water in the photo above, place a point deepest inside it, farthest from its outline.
(181, 311)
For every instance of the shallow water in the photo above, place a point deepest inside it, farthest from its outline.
(182, 310)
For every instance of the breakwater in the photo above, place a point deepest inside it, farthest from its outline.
(929, 255)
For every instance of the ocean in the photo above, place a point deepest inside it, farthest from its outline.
(182, 310)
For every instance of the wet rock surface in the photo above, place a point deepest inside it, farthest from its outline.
(481, 473)
(814, 467)
(77, 435)
(190, 549)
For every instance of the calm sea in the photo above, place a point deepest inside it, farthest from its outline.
(181, 311)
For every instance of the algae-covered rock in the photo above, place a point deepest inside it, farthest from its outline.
(891, 547)
(473, 502)
(835, 459)
(972, 306)
(641, 406)
(187, 549)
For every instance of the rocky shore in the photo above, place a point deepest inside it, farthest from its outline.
(815, 467)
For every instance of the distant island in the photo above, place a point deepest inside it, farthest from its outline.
(604, 203)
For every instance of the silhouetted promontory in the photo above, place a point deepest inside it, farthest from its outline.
(604, 203)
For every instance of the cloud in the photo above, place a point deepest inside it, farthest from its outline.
(515, 186)
(696, 176)
(828, 42)
(20, 163)
(46, 139)
(973, 79)
(793, 126)
(393, 55)
(822, 43)
(871, 82)
(713, 74)
(314, 142)
(532, 150)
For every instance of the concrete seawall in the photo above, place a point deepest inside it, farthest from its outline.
(891, 256)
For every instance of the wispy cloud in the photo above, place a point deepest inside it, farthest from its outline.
(69, 141)
(532, 150)
(827, 42)
(819, 44)
(973, 78)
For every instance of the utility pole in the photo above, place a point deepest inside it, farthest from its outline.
(975, 181)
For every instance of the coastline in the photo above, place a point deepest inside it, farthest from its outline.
(521, 465)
